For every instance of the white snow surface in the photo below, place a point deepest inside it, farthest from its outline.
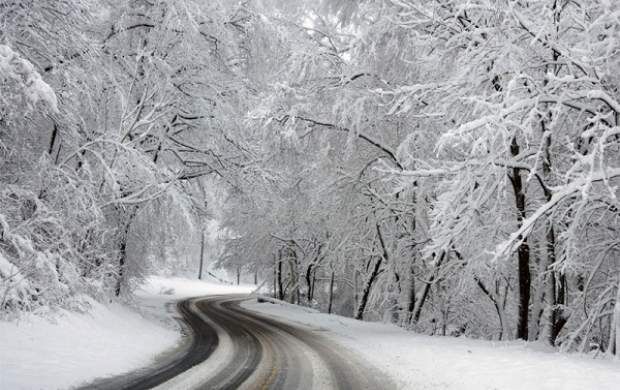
(181, 288)
(62, 349)
(71, 348)
(420, 362)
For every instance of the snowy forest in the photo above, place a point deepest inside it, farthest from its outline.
(449, 166)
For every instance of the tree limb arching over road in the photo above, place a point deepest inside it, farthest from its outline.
(259, 353)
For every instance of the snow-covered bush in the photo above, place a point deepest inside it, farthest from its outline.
(51, 239)
(22, 84)
(51, 243)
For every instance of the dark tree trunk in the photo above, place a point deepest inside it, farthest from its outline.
(309, 279)
(53, 137)
(121, 265)
(359, 314)
(496, 303)
(426, 289)
(295, 277)
(58, 154)
(275, 277)
(130, 214)
(558, 317)
(202, 253)
(313, 283)
(279, 276)
(418, 310)
(557, 281)
(411, 296)
(523, 252)
(311, 274)
(122, 254)
(355, 290)
(331, 293)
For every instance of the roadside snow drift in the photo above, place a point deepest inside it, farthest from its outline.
(76, 347)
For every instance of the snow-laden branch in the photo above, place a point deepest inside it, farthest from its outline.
(546, 42)
(558, 195)
(137, 198)
(379, 145)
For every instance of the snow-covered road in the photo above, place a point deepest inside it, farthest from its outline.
(256, 352)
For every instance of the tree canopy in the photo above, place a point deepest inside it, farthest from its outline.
(451, 166)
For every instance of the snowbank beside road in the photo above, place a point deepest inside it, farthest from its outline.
(66, 349)
(423, 362)
(39, 353)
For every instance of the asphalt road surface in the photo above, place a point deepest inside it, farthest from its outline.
(233, 348)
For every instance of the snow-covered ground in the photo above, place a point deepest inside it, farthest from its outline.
(69, 348)
(63, 349)
(423, 362)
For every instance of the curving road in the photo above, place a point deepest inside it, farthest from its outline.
(234, 348)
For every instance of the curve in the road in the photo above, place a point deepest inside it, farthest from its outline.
(267, 354)
(204, 341)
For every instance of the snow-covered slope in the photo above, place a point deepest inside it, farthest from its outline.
(64, 349)
(423, 362)
(43, 353)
